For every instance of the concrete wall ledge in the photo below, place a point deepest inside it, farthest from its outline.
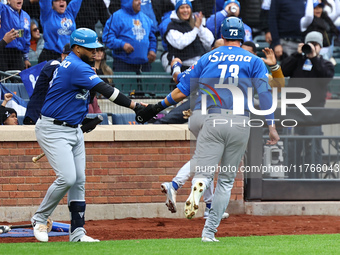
(159, 210)
(330, 208)
(104, 133)
(110, 211)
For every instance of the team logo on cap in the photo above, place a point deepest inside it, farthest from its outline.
(79, 40)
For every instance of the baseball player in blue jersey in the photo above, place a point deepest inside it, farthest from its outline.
(231, 74)
(60, 137)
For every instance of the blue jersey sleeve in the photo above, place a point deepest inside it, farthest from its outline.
(263, 88)
(85, 77)
(260, 72)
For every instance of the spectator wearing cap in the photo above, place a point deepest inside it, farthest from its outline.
(8, 116)
(58, 21)
(316, 19)
(131, 35)
(309, 70)
(186, 37)
(284, 26)
(37, 42)
(15, 55)
(40, 90)
(230, 8)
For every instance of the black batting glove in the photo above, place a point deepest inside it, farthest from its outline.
(149, 112)
(138, 108)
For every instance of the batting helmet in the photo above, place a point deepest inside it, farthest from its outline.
(232, 28)
(85, 37)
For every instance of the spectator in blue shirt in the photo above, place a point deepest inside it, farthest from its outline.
(131, 35)
(15, 55)
(58, 22)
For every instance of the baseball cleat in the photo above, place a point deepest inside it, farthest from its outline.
(40, 232)
(191, 205)
(208, 240)
(86, 238)
(79, 235)
(170, 192)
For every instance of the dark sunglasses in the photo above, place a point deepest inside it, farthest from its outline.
(35, 29)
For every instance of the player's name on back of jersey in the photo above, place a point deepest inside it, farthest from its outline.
(220, 56)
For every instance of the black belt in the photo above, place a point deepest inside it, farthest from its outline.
(63, 123)
(226, 111)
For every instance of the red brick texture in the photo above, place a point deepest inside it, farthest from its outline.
(117, 172)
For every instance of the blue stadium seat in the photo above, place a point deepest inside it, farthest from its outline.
(105, 117)
(124, 119)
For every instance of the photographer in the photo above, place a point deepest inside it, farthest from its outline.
(15, 55)
(308, 69)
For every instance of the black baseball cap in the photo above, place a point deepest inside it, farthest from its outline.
(5, 112)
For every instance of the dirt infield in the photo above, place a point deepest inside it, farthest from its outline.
(235, 225)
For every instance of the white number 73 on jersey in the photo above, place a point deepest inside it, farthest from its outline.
(233, 70)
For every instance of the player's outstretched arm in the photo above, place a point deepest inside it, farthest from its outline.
(152, 110)
(115, 96)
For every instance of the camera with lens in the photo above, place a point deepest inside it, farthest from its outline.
(233, 9)
(306, 49)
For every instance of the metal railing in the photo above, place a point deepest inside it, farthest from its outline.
(295, 157)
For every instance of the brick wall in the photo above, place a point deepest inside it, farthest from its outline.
(117, 172)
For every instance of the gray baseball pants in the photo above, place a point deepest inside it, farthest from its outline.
(65, 150)
(225, 143)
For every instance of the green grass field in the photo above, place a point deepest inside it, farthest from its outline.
(294, 244)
